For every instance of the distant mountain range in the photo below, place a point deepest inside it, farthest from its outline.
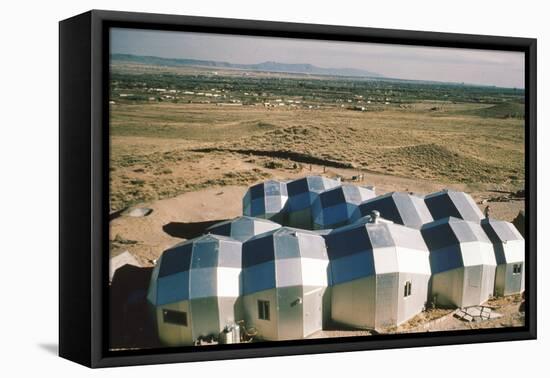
(265, 66)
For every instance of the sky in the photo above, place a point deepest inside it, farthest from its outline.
(485, 67)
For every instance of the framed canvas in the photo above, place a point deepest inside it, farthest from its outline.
(234, 188)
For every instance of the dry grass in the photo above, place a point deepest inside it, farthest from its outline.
(412, 142)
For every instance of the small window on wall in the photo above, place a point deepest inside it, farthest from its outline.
(516, 269)
(408, 287)
(175, 317)
(263, 310)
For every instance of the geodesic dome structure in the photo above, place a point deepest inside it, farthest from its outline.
(462, 261)
(509, 248)
(339, 206)
(450, 203)
(284, 282)
(301, 195)
(242, 228)
(379, 274)
(266, 200)
(402, 208)
(195, 287)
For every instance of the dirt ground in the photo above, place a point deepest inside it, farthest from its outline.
(173, 220)
(443, 320)
(188, 215)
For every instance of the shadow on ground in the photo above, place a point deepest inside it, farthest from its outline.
(280, 154)
(188, 230)
(51, 348)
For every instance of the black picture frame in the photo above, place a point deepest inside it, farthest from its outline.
(84, 178)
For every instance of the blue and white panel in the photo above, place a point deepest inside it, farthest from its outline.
(283, 258)
(350, 254)
(508, 243)
(449, 203)
(406, 237)
(265, 199)
(352, 267)
(315, 272)
(401, 208)
(303, 191)
(339, 206)
(173, 288)
(258, 277)
(446, 259)
(288, 272)
(478, 253)
(243, 228)
(190, 270)
(454, 243)
(203, 283)
(422, 212)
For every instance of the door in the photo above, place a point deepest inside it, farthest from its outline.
(313, 310)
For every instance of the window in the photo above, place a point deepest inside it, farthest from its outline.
(516, 269)
(408, 287)
(174, 317)
(263, 310)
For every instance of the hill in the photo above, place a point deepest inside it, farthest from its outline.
(302, 68)
(502, 110)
